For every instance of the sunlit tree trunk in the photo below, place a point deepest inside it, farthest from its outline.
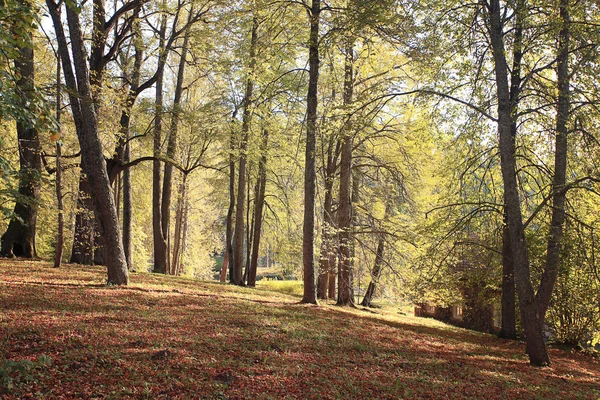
(367, 300)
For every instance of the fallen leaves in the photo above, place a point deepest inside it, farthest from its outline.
(175, 338)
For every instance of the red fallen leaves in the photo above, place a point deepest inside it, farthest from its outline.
(178, 339)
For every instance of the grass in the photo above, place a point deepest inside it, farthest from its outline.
(67, 335)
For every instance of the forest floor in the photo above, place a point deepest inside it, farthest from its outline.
(66, 335)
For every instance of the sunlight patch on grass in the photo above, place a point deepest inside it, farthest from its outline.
(292, 288)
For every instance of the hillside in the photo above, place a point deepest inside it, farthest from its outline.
(174, 338)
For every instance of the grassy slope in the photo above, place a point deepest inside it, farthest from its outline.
(228, 342)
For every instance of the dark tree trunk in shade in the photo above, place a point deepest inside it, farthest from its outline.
(19, 238)
(308, 229)
(60, 230)
(237, 260)
(259, 202)
(508, 329)
(160, 244)
(86, 124)
(557, 222)
(530, 317)
(230, 210)
(84, 236)
(368, 299)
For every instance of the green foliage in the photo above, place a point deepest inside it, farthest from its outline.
(16, 373)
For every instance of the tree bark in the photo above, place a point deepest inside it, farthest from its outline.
(86, 124)
(178, 240)
(368, 299)
(508, 329)
(238, 236)
(326, 266)
(19, 238)
(60, 230)
(160, 244)
(172, 142)
(308, 229)
(229, 221)
(532, 324)
(550, 274)
(259, 202)
(345, 292)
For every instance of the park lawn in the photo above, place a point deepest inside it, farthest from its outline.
(64, 335)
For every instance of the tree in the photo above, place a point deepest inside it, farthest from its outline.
(19, 238)
(308, 235)
(77, 79)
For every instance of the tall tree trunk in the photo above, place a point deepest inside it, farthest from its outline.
(86, 124)
(230, 211)
(509, 327)
(124, 146)
(259, 202)
(327, 243)
(238, 236)
(250, 228)
(160, 244)
(308, 229)
(172, 142)
(345, 295)
(60, 230)
(178, 234)
(550, 274)
(532, 324)
(19, 238)
(367, 300)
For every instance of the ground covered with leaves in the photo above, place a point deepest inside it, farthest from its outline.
(64, 334)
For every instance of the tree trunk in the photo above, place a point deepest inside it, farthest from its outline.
(60, 231)
(259, 202)
(82, 251)
(229, 221)
(19, 238)
(86, 124)
(345, 295)
(172, 143)
(367, 300)
(178, 234)
(509, 328)
(238, 236)
(126, 145)
(532, 324)
(509, 323)
(160, 244)
(223, 275)
(308, 229)
(550, 274)
(327, 242)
